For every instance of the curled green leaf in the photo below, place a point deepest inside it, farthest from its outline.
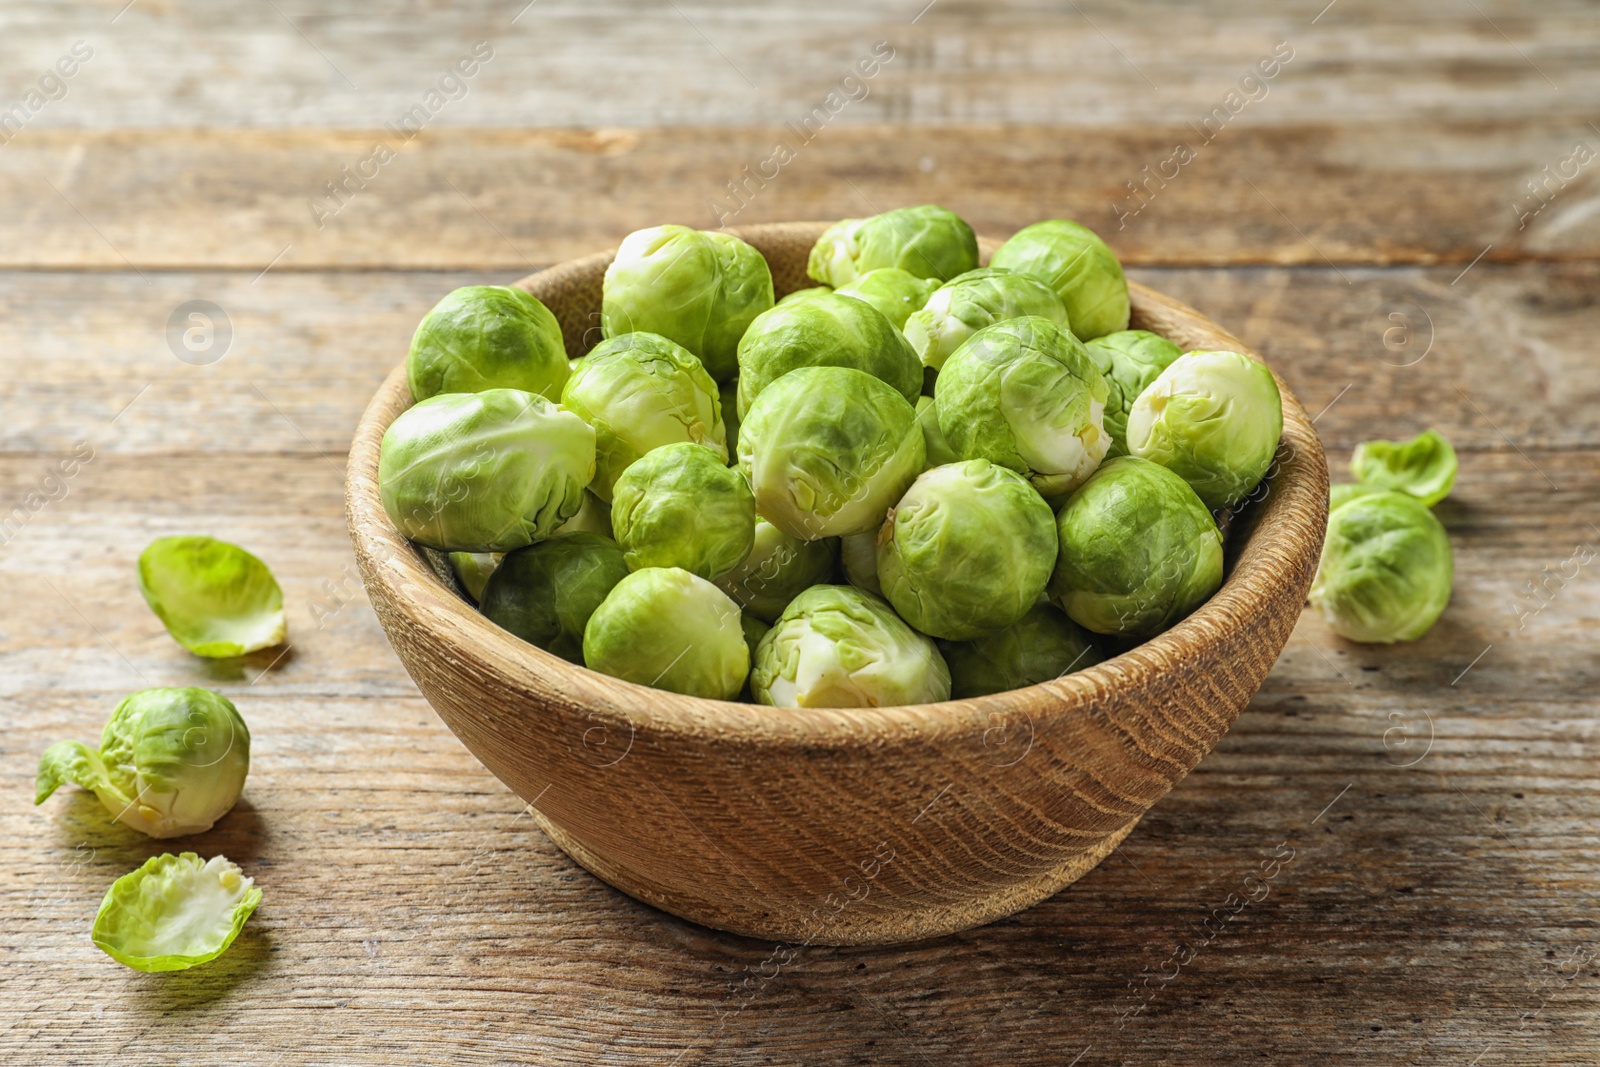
(1423, 467)
(214, 598)
(175, 912)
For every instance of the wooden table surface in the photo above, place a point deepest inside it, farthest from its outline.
(1364, 217)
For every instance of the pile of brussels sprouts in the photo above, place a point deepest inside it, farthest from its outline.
(918, 479)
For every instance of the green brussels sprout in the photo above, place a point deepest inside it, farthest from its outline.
(472, 570)
(700, 288)
(966, 304)
(545, 593)
(858, 556)
(804, 294)
(1079, 266)
(895, 292)
(682, 506)
(837, 647)
(1130, 361)
(1339, 494)
(825, 331)
(927, 241)
(484, 472)
(967, 551)
(487, 337)
(667, 628)
(174, 912)
(592, 516)
(828, 450)
(1024, 394)
(779, 568)
(640, 391)
(1041, 646)
(1214, 418)
(754, 630)
(1386, 569)
(938, 449)
(214, 598)
(729, 398)
(170, 762)
(1424, 466)
(1139, 551)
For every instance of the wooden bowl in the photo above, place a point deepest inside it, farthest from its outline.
(846, 826)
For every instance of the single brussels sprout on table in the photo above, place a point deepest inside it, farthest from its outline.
(1130, 360)
(1041, 646)
(779, 568)
(682, 506)
(1386, 569)
(1424, 467)
(545, 593)
(1213, 418)
(214, 598)
(828, 450)
(835, 646)
(1079, 266)
(667, 628)
(938, 449)
(170, 762)
(894, 292)
(1139, 550)
(927, 241)
(700, 288)
(174, 912)
(967, 551)
(487, 337)
(1024, 394)
(825, 331)
(640, 391)
(969, 302)
(472, 570)
(484, 472)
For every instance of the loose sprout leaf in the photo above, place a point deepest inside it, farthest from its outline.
(214, 598)
(69, 761)
(1423, 467)
(175, 912)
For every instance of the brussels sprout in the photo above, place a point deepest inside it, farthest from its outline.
(837, 647)
(1214, 418)
(592, 516)
(729, 398)
(1139, 551)
(700, 288)
(1078, 265)
(895, 292)
(1424, 466)
(175, 912)
(858, 553)
(665, 627)
(215, 599)
(640, 391)
(927, 241)
(487, 337)
(754, 630)
(828, 450)
(966, 304)
(545, 593)
(804, 294)
(1130, 361)
(825, 331)
(1386, 569)
(170, 762)
(1039, 647)
(472, 570)
(939, 450)
(484, 472)
(682, 506)
(1339, 494)
(778, 569)
(967, 551)
(1024, 394)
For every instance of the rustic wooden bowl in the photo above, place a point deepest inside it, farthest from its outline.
(846, 826)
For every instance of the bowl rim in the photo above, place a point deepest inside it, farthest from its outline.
(1277, 538)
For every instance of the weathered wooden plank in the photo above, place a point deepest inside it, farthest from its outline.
(1434, 191)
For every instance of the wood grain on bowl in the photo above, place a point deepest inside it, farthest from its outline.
(844, 826)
